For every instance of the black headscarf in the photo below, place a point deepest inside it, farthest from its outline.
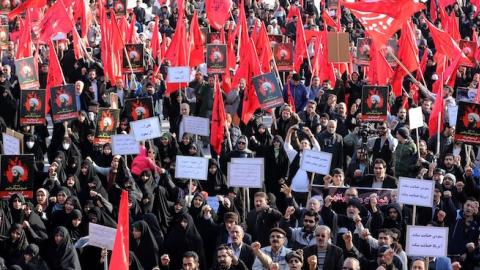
(12, 250)
(62, 256)
(36, 262)
(4, 224)
(155, 228)
(145, 248)
(77, 232)
(101, 217)
(37, 226)
(161, 209)
(18, 215)
(216, 183)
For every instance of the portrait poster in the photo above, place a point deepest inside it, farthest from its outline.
(469, 48)
(63, 103)
(27, 73)
(107, 122)
(374, 103)
(391, 48)
(32, 107)
(468, 123)
(135, 54)
(5, 7)
(363, 51)
(138, 108)
(466, 94)
(275, 39)
(120, 7)
(216, 58)
(268, 91)
(17, 175)
(3, 37)
(283, 54)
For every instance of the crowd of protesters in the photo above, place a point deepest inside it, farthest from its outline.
(288, 226)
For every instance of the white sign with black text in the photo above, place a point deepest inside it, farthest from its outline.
(427, 241)
(244, 175)
(415, 191)
(191, 167)
(146, 129)
(316, 161)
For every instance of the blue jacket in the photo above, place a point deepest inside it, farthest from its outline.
(462, 234)
(299, 94)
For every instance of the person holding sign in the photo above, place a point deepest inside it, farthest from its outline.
(298, 178)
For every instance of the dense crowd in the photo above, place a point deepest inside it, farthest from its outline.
(297, 220)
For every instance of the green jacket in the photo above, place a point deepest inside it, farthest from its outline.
(405, 159)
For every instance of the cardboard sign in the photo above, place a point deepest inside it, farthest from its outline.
(3, 36)
(17, 174)
(466, 94)
(416, 191)
(268, 90)
(374, 103)
(107, 123)
(283, 55)
(138, 108)
(427, 241)
(196, 125)
(316, 162)
(253, 161)
(135, 53)
(101, 236)
(216, 58)
(469, 48)
(245, 175)
(338, 47)
(191, 168)
(178, 74)
(64, 104)
(468, 123)
(146, 129)
(27, 73)
(11, 145)
(32, 107)
(124, 144)
(415, 117)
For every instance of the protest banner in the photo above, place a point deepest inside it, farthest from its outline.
(468, 123)
(253, 161)
(268, 90)
(64, 104)
(415, 191)
(27, 72)
(11, 145)
(316, 162)
(191, 167)
(427, 241)
(17, 175)
(283, 54)
(196, 125)
(101, 236)
(146, 129)
(107, 123)
(216, 58)
(138, 108)
(135, 53)
(32, 107)
(338, 194)
(374, 103)
(178, 74)
(244, 175)
(124, 144)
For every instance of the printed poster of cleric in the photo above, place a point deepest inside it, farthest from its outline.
(107, 122)
(135, 55)
(283, 54)
(268, 91)
(468, 123)
(138, 108)
(64, 104)
(374, 103)
(27, 73)
(32, 107)
(216, 58)
(17, 175)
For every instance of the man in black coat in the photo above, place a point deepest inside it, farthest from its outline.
(324, 254)
(240, 249)
(332, 142)
(226, 260)
(379, 178)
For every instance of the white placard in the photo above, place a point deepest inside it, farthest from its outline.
(415, 191)
(415, 117)
(11, 145)
(196, 125)
(427, 241)
(146, 129)
(252, 161)
(316, 162)
(267, 120)
(178, 74)
(131, 4)
(452, 115)
(101, 236)
(191, 167)
(245, 175)
(124, 144)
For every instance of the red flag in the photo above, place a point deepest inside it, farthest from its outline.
(444, 43)
(423, 64)
(155, 41)
(443, 3)
(77, 46)
(218, 11)
(242, 30)
(379, 71)
(36, 4)
(218, 119)
(328, 20)
(293, 12)
(55, 75)
(83, 12)
(381, 23)
(450, 24)
(25, 40)
(264, 50)
(56, 20)
(115, 50)
(437, 106)
(433, 10)
(197, 40)
(121, 251)
(290, 100)
(408, 50)
(300, 46)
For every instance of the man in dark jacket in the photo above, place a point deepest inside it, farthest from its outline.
(227, 261)
(326, 255)
(332, 142)
(379, 178)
